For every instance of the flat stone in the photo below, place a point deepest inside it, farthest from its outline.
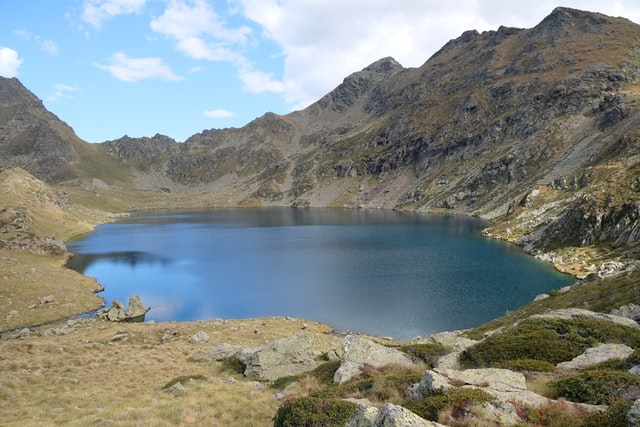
(594, 355)
(360, 351)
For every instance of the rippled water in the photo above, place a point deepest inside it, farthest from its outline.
(378, 272)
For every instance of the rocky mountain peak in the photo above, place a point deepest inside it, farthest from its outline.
(564, 19)
(12, 92)
(357, 85)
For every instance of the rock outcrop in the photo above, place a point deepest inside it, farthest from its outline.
(593, 356)
(388, 416)
(358, 352)
(135, 312)
(633, 416)
(568, 313)
(503, 384)
(285, 357)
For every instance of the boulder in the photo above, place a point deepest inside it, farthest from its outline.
(285, 357)
(198, 337)
(136, 308)
(632, 311)
(431, 381)
(503, 384)
(453, 341)
(594, 355)
(117, 313)
(569, 313)
(633, 416)
(358, 352)
(388, 416)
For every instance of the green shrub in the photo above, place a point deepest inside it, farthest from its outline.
(428, 353)
(598, 387)
(314, 412)
(234, 365)
(454, 399)
(620, 365)
(614, 416)
(325, 372)
(546, 339)
(282, 382)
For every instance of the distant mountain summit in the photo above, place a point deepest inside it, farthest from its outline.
(504, 124)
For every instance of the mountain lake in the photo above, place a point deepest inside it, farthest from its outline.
(377, 272)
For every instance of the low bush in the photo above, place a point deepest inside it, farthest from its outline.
(598, 387)
(314, 412)
(614, 416)
(234, 365)
(546, 339)
(456, 400)
(620, 365)
(428, 353)
(325, 372)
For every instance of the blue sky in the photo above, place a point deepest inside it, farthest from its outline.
(176, 67)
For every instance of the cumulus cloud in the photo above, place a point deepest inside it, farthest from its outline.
(9, 62)
(61, 90)
(134, 69)
(199, 32)
(95, 12)
(219, 114)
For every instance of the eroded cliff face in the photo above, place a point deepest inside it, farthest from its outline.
(536, 129)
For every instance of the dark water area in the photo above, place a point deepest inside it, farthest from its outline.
(378, 272)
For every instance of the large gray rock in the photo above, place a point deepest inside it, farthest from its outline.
(569, 313)
(114, 313)
(360, 351)
(117, 313)
(136, 308)
(285, 357)
(632, 311)
(633, 416)
(594, 355)
(503, 384)
(388, 416)
(453, 341)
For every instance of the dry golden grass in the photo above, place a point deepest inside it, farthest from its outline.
(25, 278)
(84, 378)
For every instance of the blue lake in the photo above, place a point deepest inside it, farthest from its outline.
(377, 272)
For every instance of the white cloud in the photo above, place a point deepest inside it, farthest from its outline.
(62, 90)
(199, 32)
(134, 69)
(48, 46)
(256, 81)
(324, 41)
(95, 12)
(9, 62)
(219, 114)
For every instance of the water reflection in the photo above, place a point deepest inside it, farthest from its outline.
(131, 259)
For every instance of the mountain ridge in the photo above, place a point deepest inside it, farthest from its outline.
(487, 121)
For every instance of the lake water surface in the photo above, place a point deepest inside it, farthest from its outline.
(377, 272)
